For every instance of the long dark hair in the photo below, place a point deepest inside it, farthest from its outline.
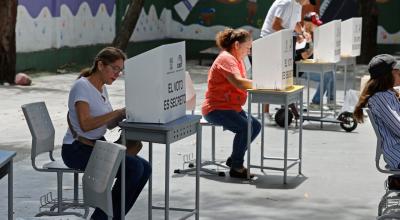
(383, 83)
(107, 55)
(226, 38)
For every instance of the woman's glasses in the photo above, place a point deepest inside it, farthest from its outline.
(117, 69)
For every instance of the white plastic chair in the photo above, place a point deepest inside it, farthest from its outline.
(386, 209)
(98, 179)
(42, 131)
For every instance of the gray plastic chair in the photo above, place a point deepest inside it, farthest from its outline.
(390, 200)
(191, 106)
(42, 131)
(99, 176)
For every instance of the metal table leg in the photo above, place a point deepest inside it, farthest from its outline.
(198, 162)
(301, 133)
(286, 141)
(249, 135)
(167, 156)
(10, 190)
(123, 188)
(150, 201)
(345, 78)
(262, 142)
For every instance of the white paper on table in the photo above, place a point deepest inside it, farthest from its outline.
(301, 45)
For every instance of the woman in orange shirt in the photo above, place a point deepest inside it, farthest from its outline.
(226, 94)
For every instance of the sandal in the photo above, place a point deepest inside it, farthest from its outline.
(240, 174)
(229, 162)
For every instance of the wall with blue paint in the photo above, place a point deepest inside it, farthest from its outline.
(46, 24)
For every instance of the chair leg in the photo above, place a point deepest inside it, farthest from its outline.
(213, 144)
(76, 190)
(59, 191)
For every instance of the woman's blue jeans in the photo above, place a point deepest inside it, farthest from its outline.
(328, 85)
(237, 123)
(137, 172)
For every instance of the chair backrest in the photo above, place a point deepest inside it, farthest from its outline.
(41, 128)
(99, 175)
(378, 153)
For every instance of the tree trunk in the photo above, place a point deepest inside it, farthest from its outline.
(369, 12)
(8, 19)
(128, 24)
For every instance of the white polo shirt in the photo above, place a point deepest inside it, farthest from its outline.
(83, 90)
(287, 10)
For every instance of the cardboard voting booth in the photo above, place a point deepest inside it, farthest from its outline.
(327, 42)
(273, 61)
(155, 85)
(351, 37)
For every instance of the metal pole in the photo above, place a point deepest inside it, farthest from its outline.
(262, 142)
(10, 190)
(248, 134)
(123, 187)
(213, 143)
(286, 140)
(321, 94)
(167, 156)
(345, 77)
(150, 201)
(198, 164)
(76, 190)
(334, 89)
(301, 132)
(59, 191)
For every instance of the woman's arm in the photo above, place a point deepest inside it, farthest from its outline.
(88, 123)
(277, 24)
(115, 122)
(239, 82)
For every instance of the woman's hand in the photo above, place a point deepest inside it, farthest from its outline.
(122, 112)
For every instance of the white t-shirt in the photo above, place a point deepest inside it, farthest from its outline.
(287, 10)
(99, 104)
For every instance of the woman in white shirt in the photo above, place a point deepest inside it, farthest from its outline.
(89, 115)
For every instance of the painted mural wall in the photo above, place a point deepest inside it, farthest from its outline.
(388, 22)
(45, 24)
(202, 19)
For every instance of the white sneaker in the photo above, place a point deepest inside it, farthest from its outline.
(331, 105)
(316, 107)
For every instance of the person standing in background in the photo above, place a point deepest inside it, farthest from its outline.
(283, 14)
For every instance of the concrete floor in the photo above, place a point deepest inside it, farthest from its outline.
(339, 178)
